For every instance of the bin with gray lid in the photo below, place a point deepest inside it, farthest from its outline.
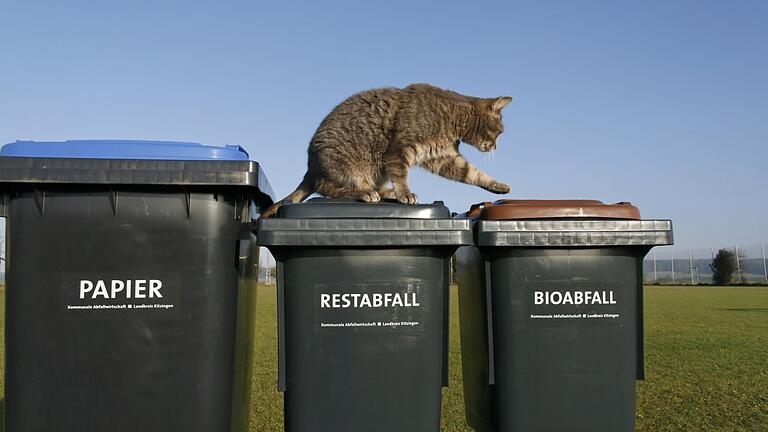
(363, 312)
(124, 260)
(551, 311)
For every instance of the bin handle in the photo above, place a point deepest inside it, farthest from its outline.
(282, 382)
(3, 205)
(446, 326)
(489, 323)
(639, 322)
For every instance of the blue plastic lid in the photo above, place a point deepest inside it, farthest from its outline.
(123, 149)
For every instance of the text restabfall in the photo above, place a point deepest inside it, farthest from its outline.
(374, 300)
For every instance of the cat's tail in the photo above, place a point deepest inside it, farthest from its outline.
(305, 189)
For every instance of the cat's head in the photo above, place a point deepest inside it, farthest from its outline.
(485, 126)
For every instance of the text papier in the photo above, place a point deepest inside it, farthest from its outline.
(112, 289)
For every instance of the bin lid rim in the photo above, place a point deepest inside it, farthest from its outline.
(340, 208)
(40, 172)
(574, 232)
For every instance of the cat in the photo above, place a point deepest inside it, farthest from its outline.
(375, 136)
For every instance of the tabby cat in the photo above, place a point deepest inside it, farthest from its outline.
(375, 136)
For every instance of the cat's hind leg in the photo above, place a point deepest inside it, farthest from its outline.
(387, 193)
(347, 180)
(368, 196)
(382, 187)
(397, 168)
(338, 191)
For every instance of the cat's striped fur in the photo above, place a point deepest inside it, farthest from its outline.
(375, 136)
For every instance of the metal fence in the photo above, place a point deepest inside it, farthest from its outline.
(675, 265)
(663, 265)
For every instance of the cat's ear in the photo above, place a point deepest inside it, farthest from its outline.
(499, 103)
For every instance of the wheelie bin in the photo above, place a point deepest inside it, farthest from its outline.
(551, 312)
(122, 284)
(363, 312)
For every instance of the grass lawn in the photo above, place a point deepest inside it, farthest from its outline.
(706, 362)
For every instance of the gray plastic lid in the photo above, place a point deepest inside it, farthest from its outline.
(326, 222)
(337, 208)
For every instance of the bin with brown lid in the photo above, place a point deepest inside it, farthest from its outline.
(551, 314)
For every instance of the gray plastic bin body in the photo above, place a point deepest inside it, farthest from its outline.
(121, 295)
(363, 307)
(551, 323)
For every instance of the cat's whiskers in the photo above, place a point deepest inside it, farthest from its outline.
(489, 157)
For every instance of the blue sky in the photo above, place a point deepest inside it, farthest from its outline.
(660, 103)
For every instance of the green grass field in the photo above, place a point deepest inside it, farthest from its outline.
(706, 362)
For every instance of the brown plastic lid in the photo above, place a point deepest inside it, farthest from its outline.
(552, 209)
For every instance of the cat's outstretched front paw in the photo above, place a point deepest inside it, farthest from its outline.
(498, 188)
(407, 198)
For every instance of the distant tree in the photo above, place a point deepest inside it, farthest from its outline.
(723, 267)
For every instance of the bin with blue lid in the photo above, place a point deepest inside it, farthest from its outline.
(125, 263)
